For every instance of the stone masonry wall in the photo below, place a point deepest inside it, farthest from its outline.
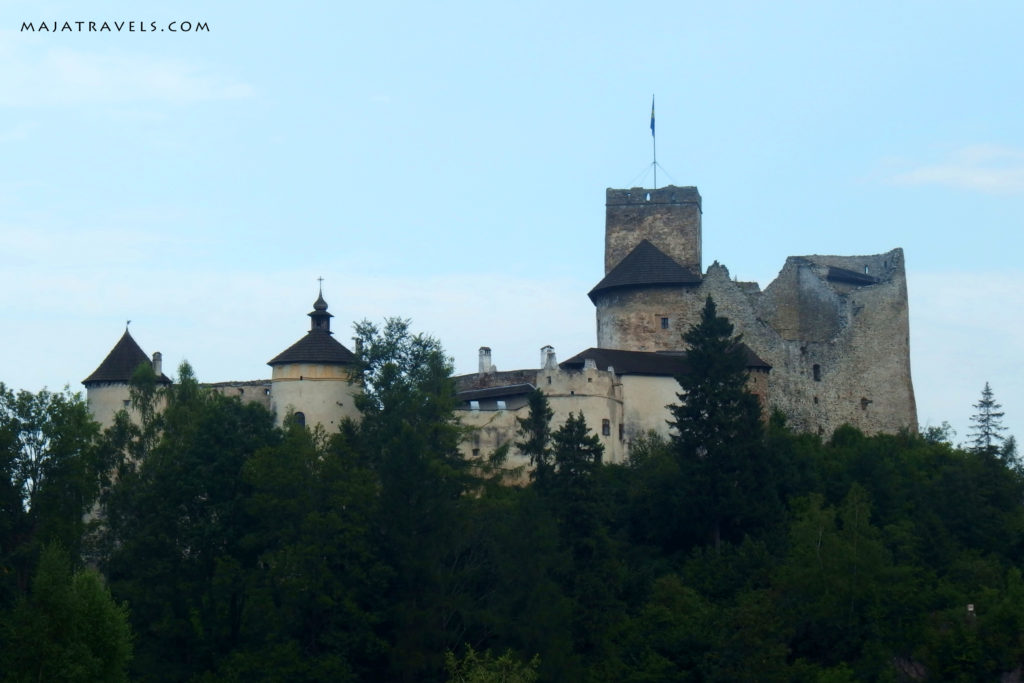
(668, 217)
(839, 351)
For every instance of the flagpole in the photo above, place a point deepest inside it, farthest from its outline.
(654, 146)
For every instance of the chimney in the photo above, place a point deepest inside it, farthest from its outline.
(547, 357)
(485, 360)
(158, 364)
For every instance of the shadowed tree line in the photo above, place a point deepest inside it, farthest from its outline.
(221, 548)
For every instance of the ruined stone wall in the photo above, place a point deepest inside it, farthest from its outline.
(669, 218)
(839, 349)
(861, 375)
(835, 329)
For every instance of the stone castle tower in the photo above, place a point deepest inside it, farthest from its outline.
(312, 377)
(835, 329)
(108, 387)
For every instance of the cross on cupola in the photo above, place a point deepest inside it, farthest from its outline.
(320, 319)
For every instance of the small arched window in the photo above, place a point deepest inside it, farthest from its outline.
(300, 419)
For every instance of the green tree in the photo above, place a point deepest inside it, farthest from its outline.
(476, 667)
(986, 434)
(51, 467)
(718, 429)
(535, 434)
(576, 457)
(313, 591)
(175, 522)
(409, 437)
(68, 628)
(837, 586)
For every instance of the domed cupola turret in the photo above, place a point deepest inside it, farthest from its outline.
(318, 346)
(312, 377)
(320, 319)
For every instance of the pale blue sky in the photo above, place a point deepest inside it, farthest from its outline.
(447, 162)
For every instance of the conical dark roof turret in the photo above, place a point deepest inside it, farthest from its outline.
(121, 363)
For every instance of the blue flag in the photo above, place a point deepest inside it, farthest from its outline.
(652, 116)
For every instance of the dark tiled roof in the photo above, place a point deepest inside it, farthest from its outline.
(318, 346)
(121, 363)
(850, 276)
(646, 265)
(499, 378)
(646, 362)
(494, 392)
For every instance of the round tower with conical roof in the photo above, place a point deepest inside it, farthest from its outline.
(108, 388)
(315, 377)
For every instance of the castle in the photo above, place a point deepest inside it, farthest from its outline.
(827, 342)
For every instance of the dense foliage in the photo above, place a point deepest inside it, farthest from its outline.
(736, 551)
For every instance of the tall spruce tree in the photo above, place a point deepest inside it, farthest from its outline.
(535, 432)
(986, 435)
(718, 428)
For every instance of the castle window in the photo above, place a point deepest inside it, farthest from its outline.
(474, 405)
(549, 379)
(817, 372)
(622, 432)
(502, 405)
(127, 403)
(606, 427)
(476, 452)
(300, 419)
(664, 323)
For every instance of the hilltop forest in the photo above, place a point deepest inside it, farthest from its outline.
(199, 542)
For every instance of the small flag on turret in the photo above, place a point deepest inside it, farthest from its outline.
(652, 116)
